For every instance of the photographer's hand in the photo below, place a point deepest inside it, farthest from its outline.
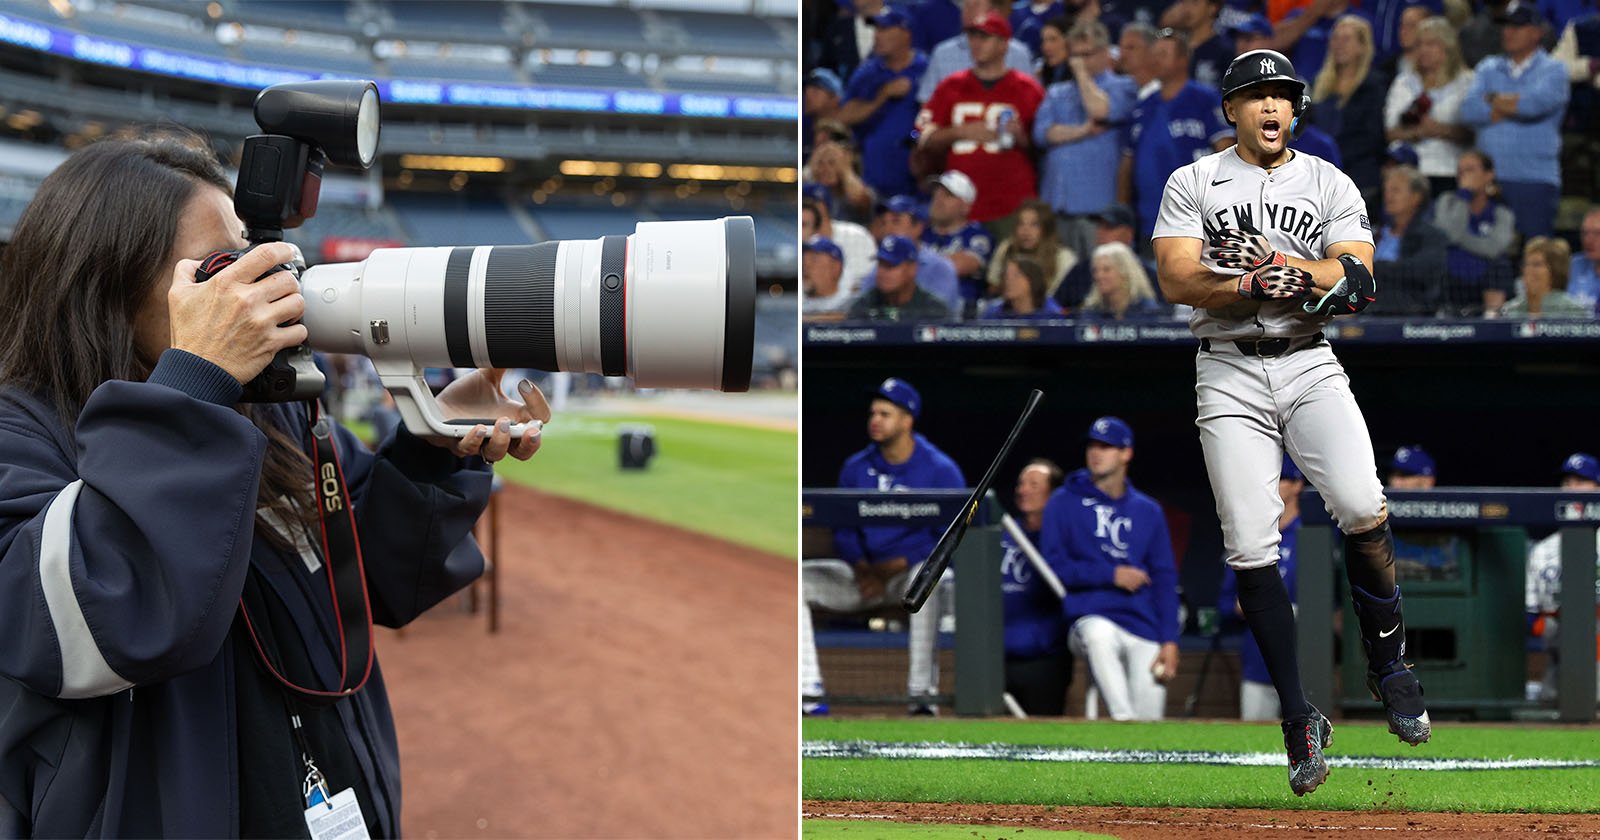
(478, 394)
(233, 320)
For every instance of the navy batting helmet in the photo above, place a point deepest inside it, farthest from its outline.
(1258, 66)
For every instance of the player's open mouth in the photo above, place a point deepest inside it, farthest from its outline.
(1270, 130)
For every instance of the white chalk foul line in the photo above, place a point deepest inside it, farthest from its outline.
(1016, 752)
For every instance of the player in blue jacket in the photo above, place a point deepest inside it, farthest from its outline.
(1038, 664)
(876, 564)
(1108, 543)
(1258, 700)
(140, 506)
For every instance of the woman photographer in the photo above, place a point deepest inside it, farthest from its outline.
(163, 582)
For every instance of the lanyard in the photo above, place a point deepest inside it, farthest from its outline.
(347, 579)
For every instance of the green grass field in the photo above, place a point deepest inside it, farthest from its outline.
(879, 830)
(726, 480)
(1206, 785)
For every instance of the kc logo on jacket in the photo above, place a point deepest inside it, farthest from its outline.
(1015, 571)
(1110, 526)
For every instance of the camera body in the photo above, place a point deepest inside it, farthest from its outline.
(308, 124)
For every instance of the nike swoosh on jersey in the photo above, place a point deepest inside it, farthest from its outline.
(1223, 181)
(1383, 635)
(1088, 502)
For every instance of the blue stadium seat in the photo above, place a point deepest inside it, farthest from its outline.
(331, 15)
(198, 41)
(477, 20)
(572, 221)
(708, 31)
(457, 220)
(568, 75)
(591, 24)
(328, 61)
(732, 85)
(475, 71)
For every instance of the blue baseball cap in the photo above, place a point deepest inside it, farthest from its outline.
(891, 16)
(1253, 25)
(1412, 460)
(900, 392)
(817, 192)
(1116, 215)
(1113, 431)
(903, 204)
(1291, 470)
(1521, 13)
(826, 79)
(1402, 153)
(1582, 465)
(896, 249)
(823, 245)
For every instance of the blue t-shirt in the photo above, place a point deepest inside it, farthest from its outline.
(998, 311)
(926, 469)
(1583, 284)
(1312, 48)
(1164, 135)
(972, 238)
(1026, 23)
(1468, 268)
(1033, 622)
(885, 137)
(1252, 666)
(1318, 143)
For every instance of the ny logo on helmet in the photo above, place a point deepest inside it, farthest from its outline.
(1269, 67)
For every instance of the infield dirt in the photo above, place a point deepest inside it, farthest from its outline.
(1209, 823)
(642, 684)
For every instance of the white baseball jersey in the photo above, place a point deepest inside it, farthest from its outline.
(1303, 206)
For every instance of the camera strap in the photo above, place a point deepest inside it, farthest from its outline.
(346, 572)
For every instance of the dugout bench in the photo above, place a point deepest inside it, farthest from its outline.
(1465, 625)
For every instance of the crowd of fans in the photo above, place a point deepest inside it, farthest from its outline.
(973, 160)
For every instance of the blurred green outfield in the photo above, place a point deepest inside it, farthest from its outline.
(731, 481)
(1175, 784)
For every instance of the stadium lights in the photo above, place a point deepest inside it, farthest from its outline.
(455, 163)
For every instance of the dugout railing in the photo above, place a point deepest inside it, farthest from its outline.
(979, 640)
(1465, 628)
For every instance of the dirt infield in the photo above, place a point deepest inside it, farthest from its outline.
(1208, 823)
(642, 684)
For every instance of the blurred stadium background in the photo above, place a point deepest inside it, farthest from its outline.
(504, 122)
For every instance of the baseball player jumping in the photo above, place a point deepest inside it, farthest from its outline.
(1267, 245)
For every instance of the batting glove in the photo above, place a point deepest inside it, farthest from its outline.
(1246, 249)
(1275, 282)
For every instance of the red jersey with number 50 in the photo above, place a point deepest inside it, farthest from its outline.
(1004, 177)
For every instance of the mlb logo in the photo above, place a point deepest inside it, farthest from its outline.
(928, 334)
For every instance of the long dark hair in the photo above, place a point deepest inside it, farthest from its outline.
(92, 246)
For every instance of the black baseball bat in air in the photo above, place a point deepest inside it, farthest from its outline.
(928, 576)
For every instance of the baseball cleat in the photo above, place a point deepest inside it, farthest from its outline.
(1305, 737)
(1401, 694)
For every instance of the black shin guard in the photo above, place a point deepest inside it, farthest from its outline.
(1383, 629)
(1270, 616)
(1369, 560)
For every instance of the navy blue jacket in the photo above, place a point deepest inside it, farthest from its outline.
(125, 537)
(1087, 534)
(1034, 625)
(926, 469)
